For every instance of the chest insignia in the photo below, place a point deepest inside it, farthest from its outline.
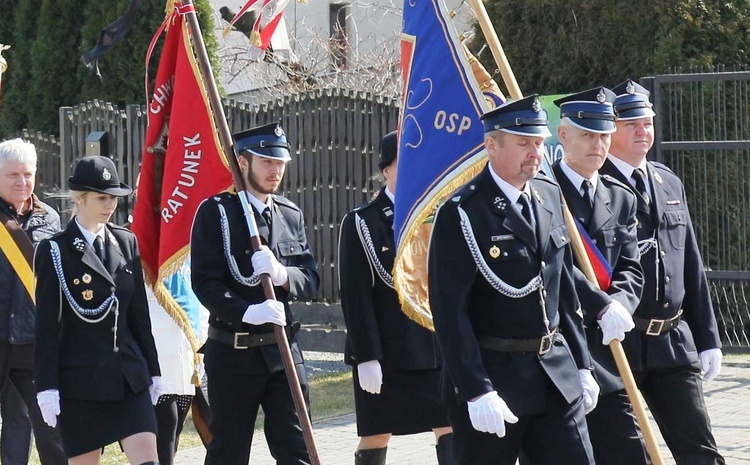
(658, 178)
(500, 204)
(86, 278)
(494, 251)
(673, 202)
(502, 237)
(76, 281)
(384, 249)
(88, 294)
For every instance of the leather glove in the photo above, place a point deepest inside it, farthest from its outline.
(155, 389)
(590, 390)
(370, 376)
(264, 261)
(49, 405)
(615, 322)
(270, 311)
(489, 413)
(711, 363)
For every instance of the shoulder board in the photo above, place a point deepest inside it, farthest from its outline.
(463, 192)
(116, 227)
(364, 206)
(661, 166)
(544, 177)
(283, 201)
(224, 196)
(613, 181)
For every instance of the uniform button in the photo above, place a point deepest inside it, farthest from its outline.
(505, 254)
(562, 238)
(666, 279)
(663, 253)
(666, 305)
(593, 240)
(292, 249)
(12, 315)
(112, 289)
(472, 187)
(455, 389)
(544, 265)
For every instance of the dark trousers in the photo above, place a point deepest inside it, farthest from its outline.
(17, 367)
(171, 411)
(554, 437)
(15, 439)
(675, 398)
(235, 398)
(615, 434)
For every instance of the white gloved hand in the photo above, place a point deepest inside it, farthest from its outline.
(370, 376)
(590, 390)
(155, 389)
(615, 322)
(49, 405)
(489, 412)
(264, 261)
(711, 363)
(270, 311)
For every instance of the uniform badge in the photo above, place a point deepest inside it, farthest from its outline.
(500, 203)
(456, 198)
(658, 178)
(88, 294)
(388, 212)
(278, 132)
(630, 88)
(106, 175)
(579, 312)
(76, 281)
(86, 278)
(494, 251)
(217, 198)
(536, 105)
(227, 295)
(384, 249)
(673, 202)
(600, 97)
(79, 244)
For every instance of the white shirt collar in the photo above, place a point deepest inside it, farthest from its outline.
(510, 191)
(625, 168)
(257, 204)
(577, 179)
(89, 236)
(390, 195)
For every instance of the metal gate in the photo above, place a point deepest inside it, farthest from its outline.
(703, 134)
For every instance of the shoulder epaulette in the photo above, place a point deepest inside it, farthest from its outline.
(283, 201)
(614, 181)
(463, 192)
(543, 177)
(661, 166)
(224, 196)
(363, 206)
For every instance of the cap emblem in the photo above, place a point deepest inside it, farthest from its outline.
(630, 88)
(536, 106)
(106, 175)
(600, 97)
(278, 132)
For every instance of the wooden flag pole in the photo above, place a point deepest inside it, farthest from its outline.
(225, 138)
(580, 252)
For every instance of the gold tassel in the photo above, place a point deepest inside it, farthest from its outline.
(255, 38)
(225, 32)
(195, 379)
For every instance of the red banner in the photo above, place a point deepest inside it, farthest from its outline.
(182, 158)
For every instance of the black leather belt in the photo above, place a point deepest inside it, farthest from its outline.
(541, 345)
(655, 327)
(243, 340)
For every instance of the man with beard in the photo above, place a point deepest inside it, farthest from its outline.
(243, 361)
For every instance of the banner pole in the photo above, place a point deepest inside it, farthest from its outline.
(225, 138)
(580, 252)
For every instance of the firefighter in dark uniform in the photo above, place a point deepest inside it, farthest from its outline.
(675, 339)
(397, 375)
(95, 361)
(243, 361)
(605, 208)
(504, 306)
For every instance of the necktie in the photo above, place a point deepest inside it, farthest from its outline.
(267, 217)
(588, 190)
(640, 186)
(99, 248)
(523, 200)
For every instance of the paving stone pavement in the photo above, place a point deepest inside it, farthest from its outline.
(728, 399)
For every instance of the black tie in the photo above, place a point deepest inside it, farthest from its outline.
(523, 199)
(640, 187)
(267, 216)
(99, 249)
(588, 189)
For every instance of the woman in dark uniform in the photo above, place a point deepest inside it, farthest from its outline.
(95, 364)
(396, 364)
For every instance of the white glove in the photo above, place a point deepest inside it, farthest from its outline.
(264, 261)
(489, 412)
(370, 376)
(155, 389)
(615, 322)
(711, 363)
(590, 390)
(49, 405)
(270, 311)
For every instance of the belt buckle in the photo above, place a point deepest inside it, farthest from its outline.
(546, 344)
(236, 343)
(655, 332)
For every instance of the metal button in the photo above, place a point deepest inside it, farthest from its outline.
(663, 253)
(544, 265)
(666, 279)
(112, 289)
(12, 315)
(666, 305)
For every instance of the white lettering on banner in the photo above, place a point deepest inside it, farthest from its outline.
(161, 96)
(186, 179)
(450, 122)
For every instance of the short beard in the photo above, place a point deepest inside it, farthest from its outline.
(255, 185)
